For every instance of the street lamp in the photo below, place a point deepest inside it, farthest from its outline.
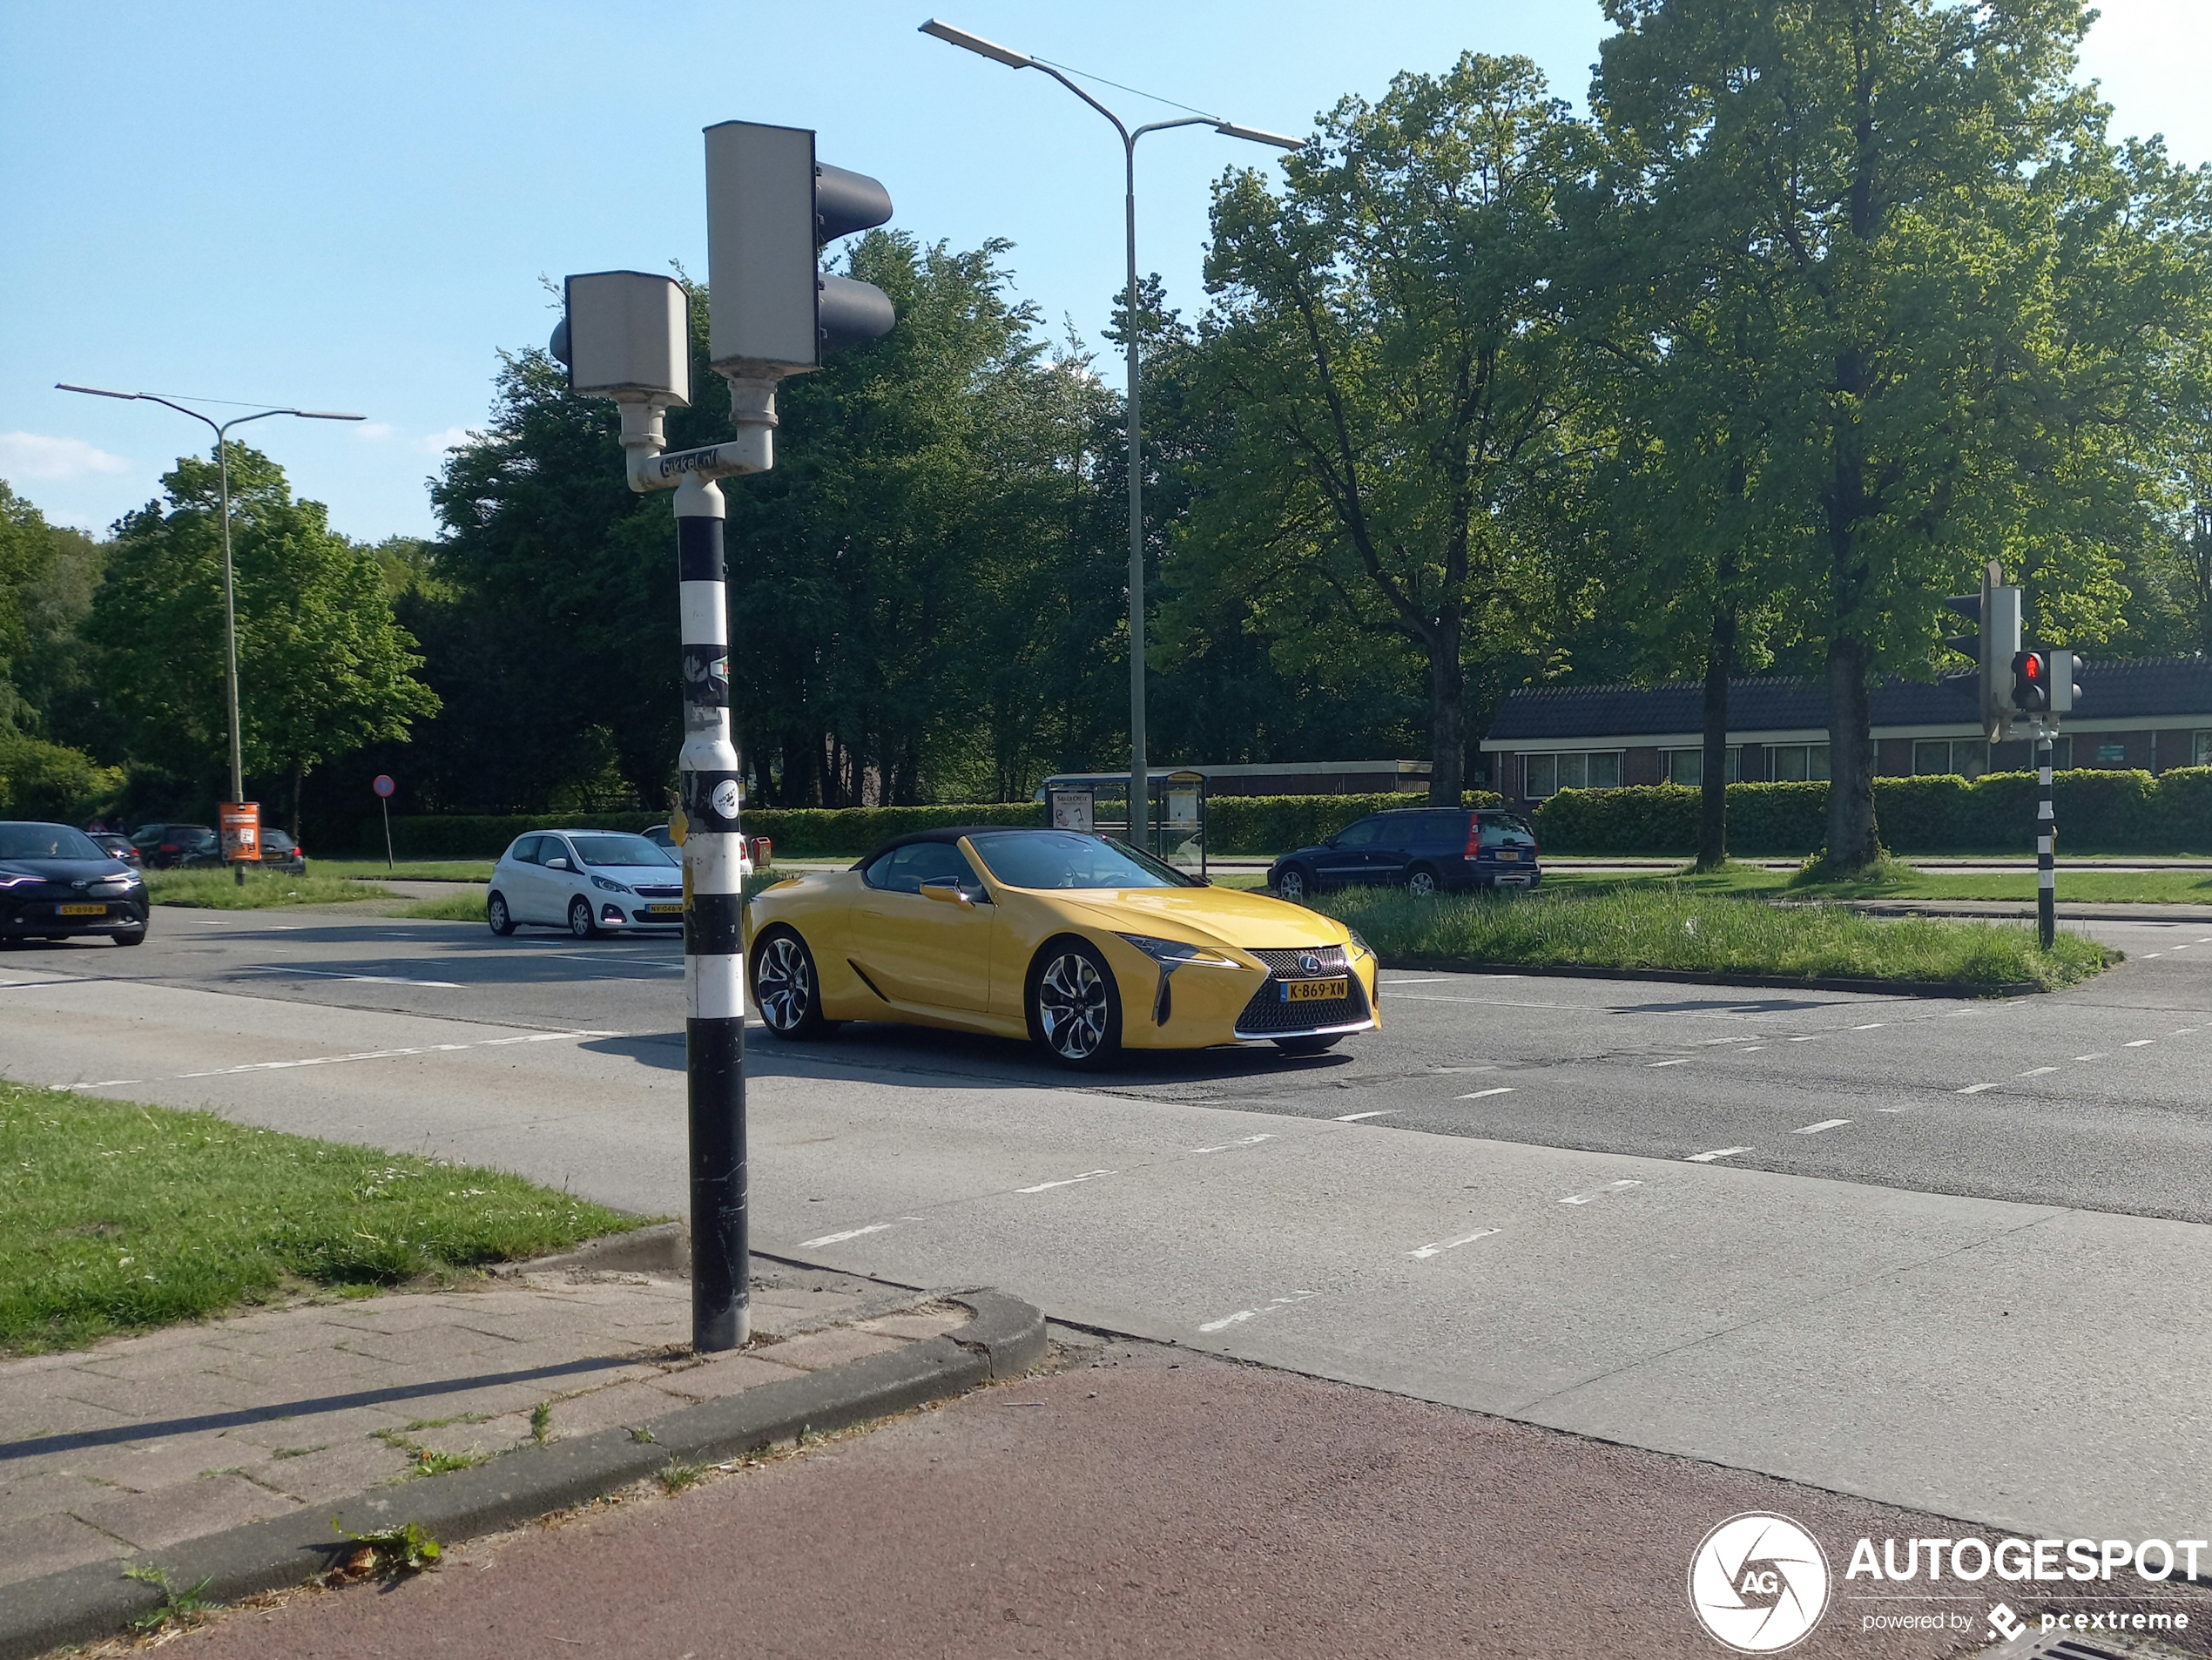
(230, 606)
(1140, 793)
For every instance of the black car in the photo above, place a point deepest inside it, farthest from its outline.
(170, 847)
(56, 882)
(280, 852)
(1420, 849)
(116, 846)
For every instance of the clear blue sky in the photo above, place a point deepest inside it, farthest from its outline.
(350, 207)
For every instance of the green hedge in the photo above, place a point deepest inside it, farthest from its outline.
(1273, 824)
(52, 783)
(2097, 810)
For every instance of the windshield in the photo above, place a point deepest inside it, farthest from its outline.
(46, 841)
(620, 851)
(1067, 858)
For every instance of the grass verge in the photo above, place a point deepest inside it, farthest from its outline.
(422, 870)
(1679, 926)
(216, 890)
(449, 908)
(1899, 879)
(116, 1216)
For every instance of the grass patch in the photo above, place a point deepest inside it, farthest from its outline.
(1681, 926)
(216, 890)
(116, 1216)
(421, 870)
(450, 907)
(1896, 879)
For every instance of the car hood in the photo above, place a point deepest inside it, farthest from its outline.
(1205, 915)
(65, 870)
(651, 875)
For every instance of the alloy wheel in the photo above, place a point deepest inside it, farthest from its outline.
(783, 984)
(1421, 884)
(1291, 885)
(580, 922)
(1072, 1006)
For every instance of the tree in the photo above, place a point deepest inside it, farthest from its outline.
(323, 668)
(1396, 392)
(1901, 183)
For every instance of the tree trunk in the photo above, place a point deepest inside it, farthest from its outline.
(1720, 662)
(1447, 715)
(1853, 843)
(298, 782)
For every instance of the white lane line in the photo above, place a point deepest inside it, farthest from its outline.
(1442, 1071)
(1889, 1109)
(1244, 1141)
(1685, 1061)
(849, 1233)
(1870, 1026)
(1088, 1176)
(1974, 1089)
(26, 985)
(1354, 1118)
(2182, 1032)
(1503, 1088)
(104, 1084)
(1717, 1152)
(1754, 1049)
(2140, 1042)
(1443, 1245)
(1242, 1314)
(1825, 1123)
(2035, 1071)
(1598, 1192)
(370, 979)
(2098, 1054)
(1807, 1038)
(2147, 955)
(386, 1053)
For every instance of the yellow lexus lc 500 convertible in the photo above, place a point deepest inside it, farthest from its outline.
(1077, 943)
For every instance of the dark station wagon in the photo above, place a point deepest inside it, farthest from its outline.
(1424, 850)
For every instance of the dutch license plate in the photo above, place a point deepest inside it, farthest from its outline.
(666, 910)
(1316, 991)
(82, 910)
(1509, 854)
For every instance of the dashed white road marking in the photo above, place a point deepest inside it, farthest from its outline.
(1503, 1088)
(1807, 1038)
(1683, 1062)
(1443, 1245)
(1354, 1118)
(849, 1233)
(2036, 1071)
(370, 979)
(1070, 1181)
(2140, 1042)
(1974, 1089)
(2097, 1055)
(2147, 955)
(1717, 1152)
(1242, 1314)
(1226, 1146)
(1825, 1123)
(1598, 1192)
(2182, 1032)
(1754, 1049)
(1870, 1026)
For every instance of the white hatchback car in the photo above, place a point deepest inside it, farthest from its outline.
(589, 882)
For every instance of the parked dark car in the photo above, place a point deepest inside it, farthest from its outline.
(280, 852)
(114, 844)
(56, 882)
(170, 847)
(1423, 850)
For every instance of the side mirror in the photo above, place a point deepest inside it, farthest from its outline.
(945, 890)
(557, 864)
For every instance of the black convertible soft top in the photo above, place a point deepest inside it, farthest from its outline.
(952, 833)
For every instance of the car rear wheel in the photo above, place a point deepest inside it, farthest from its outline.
(1307, 1045)
(1293, 885)
(1420, 882)
(580, 922)
(496, 914)
(1075, 1010)
(786, 988)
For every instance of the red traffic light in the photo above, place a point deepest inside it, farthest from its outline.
(2031, 683)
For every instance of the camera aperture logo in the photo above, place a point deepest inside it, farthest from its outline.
(1759, 1584)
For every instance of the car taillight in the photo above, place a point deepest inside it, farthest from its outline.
(1475, 838)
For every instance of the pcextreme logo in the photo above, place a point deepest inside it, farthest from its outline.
(1759, 1584)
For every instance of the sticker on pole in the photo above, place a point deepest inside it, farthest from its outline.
(384, 786)
(725, 797)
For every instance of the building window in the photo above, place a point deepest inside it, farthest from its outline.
(1798, 763)
(1575, 769)
(2062, 754)
(1687, 767)
(1966, 756)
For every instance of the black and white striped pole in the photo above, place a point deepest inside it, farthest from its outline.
(2047, 833)
(627, 336)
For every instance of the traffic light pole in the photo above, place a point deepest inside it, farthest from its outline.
(2046, 836)
(713, 942)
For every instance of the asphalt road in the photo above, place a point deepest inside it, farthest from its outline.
(1952, 1255)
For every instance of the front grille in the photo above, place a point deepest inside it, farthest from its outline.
(1268, 1016)
(660, 893)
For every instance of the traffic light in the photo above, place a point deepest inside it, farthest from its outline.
(1996, 610)
(2064, 694)
(626, 334)
(2031, 683)
(771, 208)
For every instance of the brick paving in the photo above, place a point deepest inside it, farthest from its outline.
(141, 1443)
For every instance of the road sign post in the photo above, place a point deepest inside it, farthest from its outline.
(384, 786)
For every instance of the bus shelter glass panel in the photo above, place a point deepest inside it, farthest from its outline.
(1179, 819)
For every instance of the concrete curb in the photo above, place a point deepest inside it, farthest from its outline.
(1700, 977)
(1006, 1337)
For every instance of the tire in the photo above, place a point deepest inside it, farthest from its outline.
(1421, 883)
(1294, 885)
(787, 988)
(496, 914)
(581, 923)
(132, 937)
(1074, 1007)
(1307, 1045)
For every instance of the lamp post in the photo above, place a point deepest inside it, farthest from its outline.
(1140, 793)
(230, 602)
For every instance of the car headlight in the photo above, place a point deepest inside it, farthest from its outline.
(20, 881)
(1176, 953)
(1360, 943)
(611, 887)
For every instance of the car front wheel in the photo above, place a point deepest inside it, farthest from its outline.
(1293, 885)
(786, 988)
(580, 922)
(131, 937)
(1307, 1045)
(496, 914)
(1075, 1010)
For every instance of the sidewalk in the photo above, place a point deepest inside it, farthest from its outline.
(142, 1446)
